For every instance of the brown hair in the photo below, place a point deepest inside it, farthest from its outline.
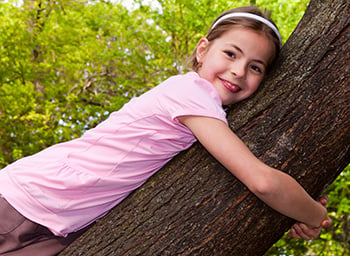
(227, 24)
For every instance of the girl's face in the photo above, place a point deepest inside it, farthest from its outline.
(235, 63)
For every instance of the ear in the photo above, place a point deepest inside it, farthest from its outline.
(202, 48)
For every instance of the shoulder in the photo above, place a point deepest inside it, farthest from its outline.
(189, 94)
(190, 78)
(191, 86)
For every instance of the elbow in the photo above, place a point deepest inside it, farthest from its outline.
(261, 189)
(266, 185)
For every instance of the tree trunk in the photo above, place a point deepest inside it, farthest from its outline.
(298, 122)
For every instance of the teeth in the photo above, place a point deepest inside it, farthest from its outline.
(228, 84)
(231, 87)
(234, 86)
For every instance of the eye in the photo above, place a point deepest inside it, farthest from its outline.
(257, 69)
(230, 54)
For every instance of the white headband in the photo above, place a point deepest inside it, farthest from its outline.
(251, 16)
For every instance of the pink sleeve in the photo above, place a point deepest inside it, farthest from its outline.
(191, 95)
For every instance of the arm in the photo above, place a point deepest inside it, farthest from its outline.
(277, 189)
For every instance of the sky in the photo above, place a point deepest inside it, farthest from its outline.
(127, 3)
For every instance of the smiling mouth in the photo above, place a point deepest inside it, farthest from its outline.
(230, 86)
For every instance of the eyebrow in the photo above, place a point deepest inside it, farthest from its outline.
(241, 51)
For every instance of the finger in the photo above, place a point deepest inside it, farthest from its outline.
(293, 234)
(311, 233)
(299, 232)
(324, 200)
(306, 232)
(326, 223)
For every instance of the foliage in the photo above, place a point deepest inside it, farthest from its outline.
(65, 65)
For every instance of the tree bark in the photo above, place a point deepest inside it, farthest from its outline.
(298, 122)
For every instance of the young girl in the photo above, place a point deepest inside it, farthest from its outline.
(49, 198)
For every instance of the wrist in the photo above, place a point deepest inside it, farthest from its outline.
(323, 216)
(319, 217)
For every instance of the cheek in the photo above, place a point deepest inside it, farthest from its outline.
(206, 71)
(254, 86)
(257, 82)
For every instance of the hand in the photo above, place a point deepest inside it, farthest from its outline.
(302, 231)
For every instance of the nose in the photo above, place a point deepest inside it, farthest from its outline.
(238, 69)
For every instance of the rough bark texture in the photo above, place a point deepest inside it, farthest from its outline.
(298, 122)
